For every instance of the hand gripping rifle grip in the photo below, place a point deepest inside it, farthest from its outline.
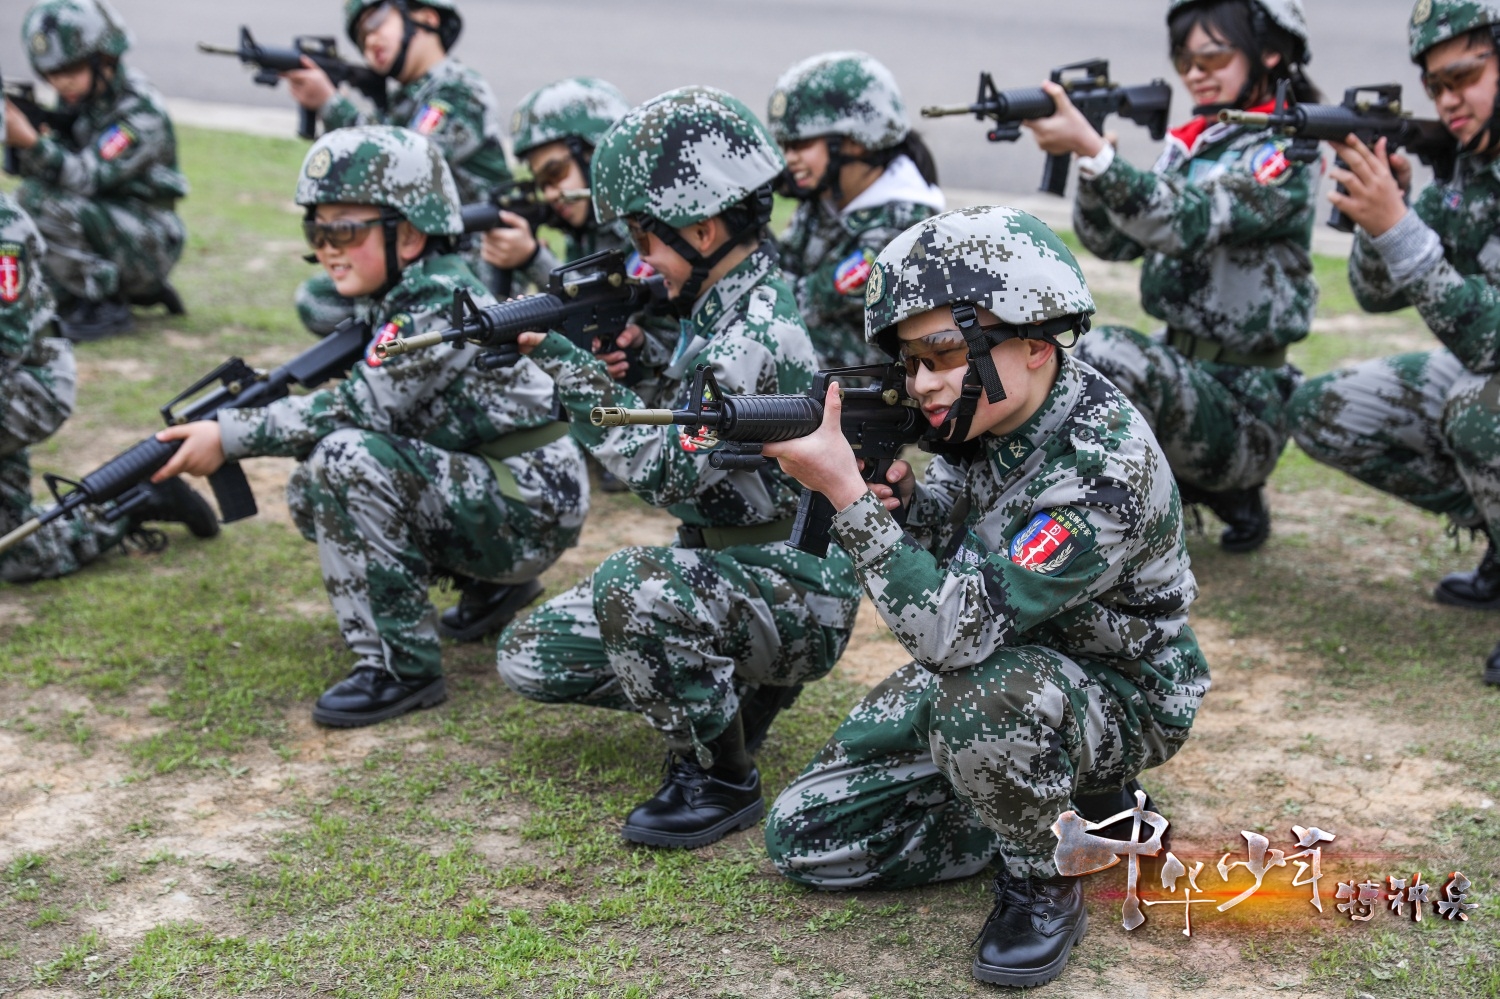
(307, 123)
(232, 491)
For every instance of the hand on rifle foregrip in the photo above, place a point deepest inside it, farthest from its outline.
(823, 461)
(1067, 131)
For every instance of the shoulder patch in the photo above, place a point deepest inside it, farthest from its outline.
(429, 117)
(12, 273)
(393, 328)
(1270, 165)
(114, 142)
(852, 272)
(1051, 541)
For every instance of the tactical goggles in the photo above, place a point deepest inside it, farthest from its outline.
(553, 171)
(940, 351)
(640, 235)
(372, 20)
(1206, 60)
(1456, 76)
(339, 233)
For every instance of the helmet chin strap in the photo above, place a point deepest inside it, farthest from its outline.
(409, 29)
(1483, 143)
(390, 232)
(681, 304)
(831, 182)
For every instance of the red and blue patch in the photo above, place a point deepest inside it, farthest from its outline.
(12, 278)
(114, 142)
(429, 118)
(853, 271)
(637, 268)
(1046, 544)
(390, 331)
(1270, 165)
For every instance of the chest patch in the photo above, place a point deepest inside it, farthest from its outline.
(12, 277)
(853, 271)
(115, 142)
(429, 117)
(1201, 171)
(396, 327)
(1050, 541)
(1269, 165)
(1452, 200)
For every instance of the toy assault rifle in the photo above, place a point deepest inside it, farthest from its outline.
(525, 199)
(878, 420)
(23, 95)
(593, 298)
(1089, 88)
(322, 50)
(124, 482)
(1371, 113)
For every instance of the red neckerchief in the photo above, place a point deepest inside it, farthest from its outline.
(1188, 134)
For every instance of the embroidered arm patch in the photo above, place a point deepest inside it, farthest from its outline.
(1051, 540)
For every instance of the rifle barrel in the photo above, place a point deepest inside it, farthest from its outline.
(943, 110)
(217, 49)
(20, 534)
(1254, 119)
(407, 344)
(615, 416)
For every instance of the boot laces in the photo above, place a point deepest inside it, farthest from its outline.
(1013, 892)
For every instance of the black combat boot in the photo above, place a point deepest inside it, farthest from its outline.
(1477, 590)
(1492, 668)
(85, 321)
(176, 502)
(1031, 931)
(1247, 521)
(484, 608)
(759, 706)
(370, 695)
(164, 295)
(695, 807)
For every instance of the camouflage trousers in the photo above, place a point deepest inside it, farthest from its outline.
(392, 515)
(97, 250)
(38, 398)
(933, 775)
(675, 634)
(1418, 426)
(321, 307)
(1222, 426)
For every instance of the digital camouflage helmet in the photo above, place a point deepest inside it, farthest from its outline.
(392, 168)
(450, 24)
(1285, 14)
(1435, 21)
(580, 107)
(687, 156)
(1000, 259)
(62, 33)
(847, 94)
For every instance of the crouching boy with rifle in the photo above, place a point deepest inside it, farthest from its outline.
(413, 468)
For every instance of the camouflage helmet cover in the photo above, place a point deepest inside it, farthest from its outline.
(1001, 259)
(682, 157)
(447, 10)
(60, 33)
(1285, 14)
(839, 93)
(579, 107)
(1436, 21)
(385, 166)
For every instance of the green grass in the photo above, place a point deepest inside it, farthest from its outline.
(473, 850)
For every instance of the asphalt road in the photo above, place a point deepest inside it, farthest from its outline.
(936, 49)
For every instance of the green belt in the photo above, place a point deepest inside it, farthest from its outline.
(496, 451)
(717, 538)
(1199, 349)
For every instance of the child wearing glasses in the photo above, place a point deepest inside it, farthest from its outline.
(703, 639)
(1223, 223)
(1426, 426)
(862, 177)
(416, 467)
(1039, 580)
(437, 97)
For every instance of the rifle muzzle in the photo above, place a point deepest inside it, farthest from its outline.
(20, 534)
(944, 110)
(1254, 119)
(217, 49)
(615, 416)
(407, 344)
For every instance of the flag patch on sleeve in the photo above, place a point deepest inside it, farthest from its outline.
(390, 331)
(1270, 164)
(114, 142)
(12, 277)
(852, 272)
(1051, 540)
(429, 118)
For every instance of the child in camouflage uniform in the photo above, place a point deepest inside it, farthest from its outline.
(1224, 223)
(1040, 583)
(862, 177)
(38, 381)
(103, 195)
(438, 97)
(682, 634)
(1426, 426)
(417, 466)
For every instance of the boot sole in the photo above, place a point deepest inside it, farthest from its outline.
(743, 819)
(1027, 979)
(433, 694)
(497, 618)
(1443, 596)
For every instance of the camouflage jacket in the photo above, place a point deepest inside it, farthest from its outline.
(26, 304)
(1446, 257)
(455, 108)
(747, 329)
(1224, 222)
(1065, 533)
(827, 255)
(122, 147)
(437, 396)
